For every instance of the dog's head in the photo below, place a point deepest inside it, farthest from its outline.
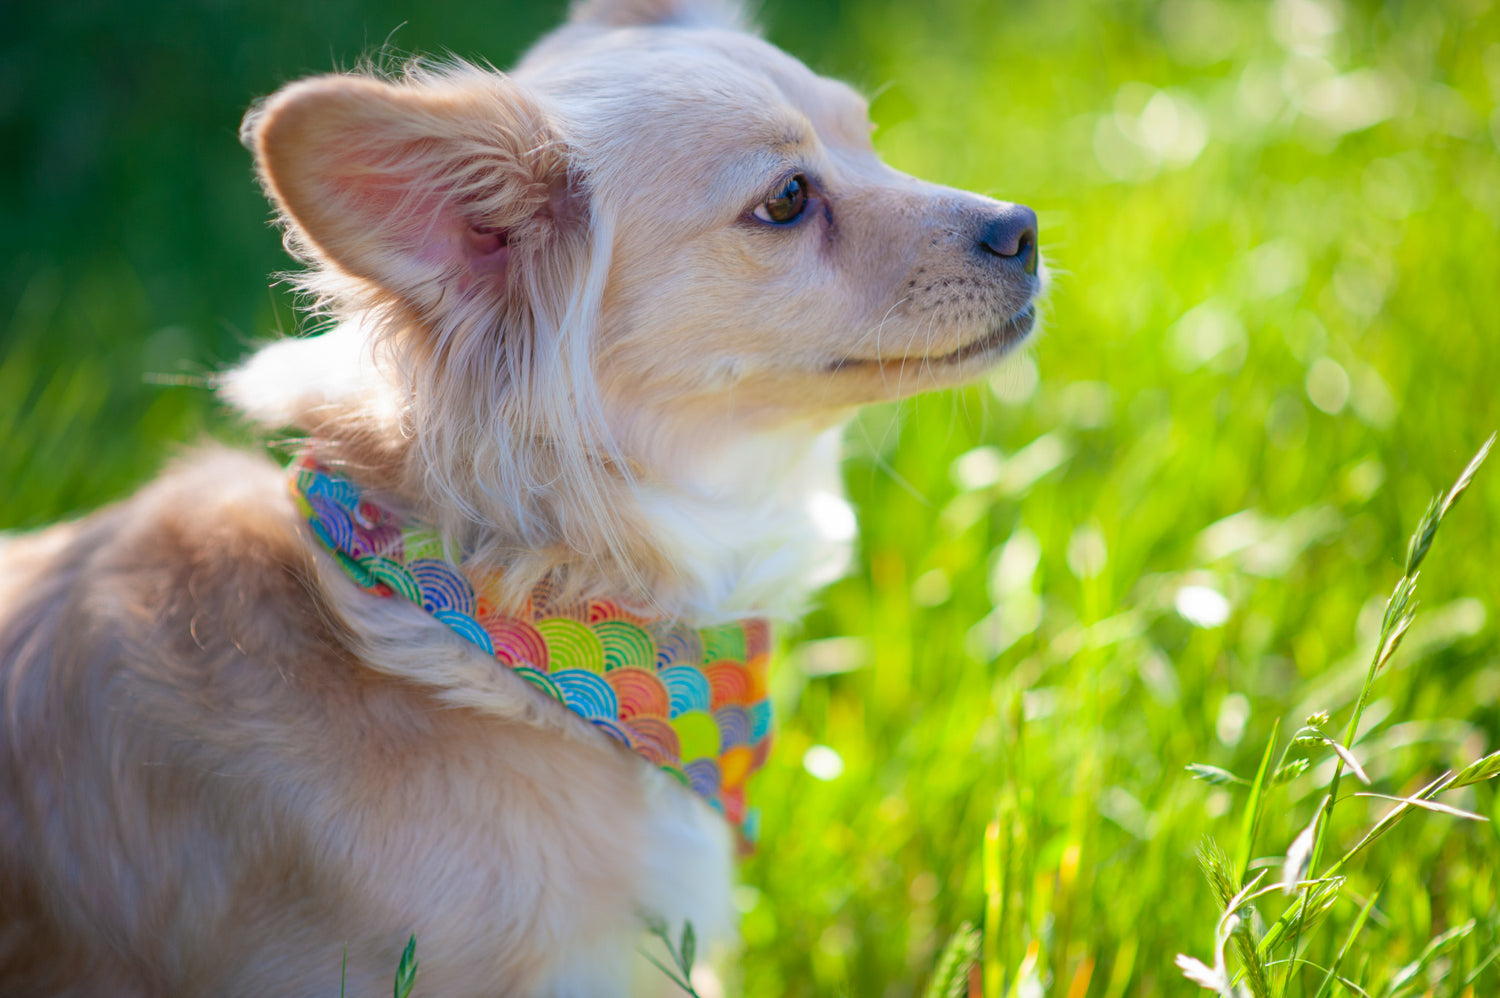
(658, 236)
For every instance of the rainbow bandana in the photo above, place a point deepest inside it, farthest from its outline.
(689, 700)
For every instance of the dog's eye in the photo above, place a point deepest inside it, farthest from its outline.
(787, 206)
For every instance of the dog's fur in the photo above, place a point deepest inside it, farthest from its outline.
(559, 332)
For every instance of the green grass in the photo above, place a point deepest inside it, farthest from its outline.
(1270, 340)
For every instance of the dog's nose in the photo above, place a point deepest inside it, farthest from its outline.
(1010, 233)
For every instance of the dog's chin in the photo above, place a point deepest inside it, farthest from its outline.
(994, 342)
(991, 344)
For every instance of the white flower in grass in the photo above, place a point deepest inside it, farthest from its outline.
(823, 763)
(1202, 606)
(1215, 978)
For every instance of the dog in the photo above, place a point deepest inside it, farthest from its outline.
(486, 665)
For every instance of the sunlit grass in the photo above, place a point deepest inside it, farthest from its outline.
(1162, 531)
(1272, 958)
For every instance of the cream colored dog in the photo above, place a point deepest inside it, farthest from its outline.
(598, 322)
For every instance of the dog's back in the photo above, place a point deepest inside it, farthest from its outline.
(33, 569)
(119, 635)
(209, 793)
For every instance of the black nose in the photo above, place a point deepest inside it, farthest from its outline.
(1011, 233)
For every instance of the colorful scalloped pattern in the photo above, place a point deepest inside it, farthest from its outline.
(689, 700)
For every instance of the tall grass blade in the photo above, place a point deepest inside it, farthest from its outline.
(993, 862)
(1466, 476)
(1395, 814)
(1218, 777)
(682, 954)
(951, 977)
(406, 970)
(687, 951)
(1349, 760)
(1289, 771)
(1477, 772)
(1354, 931)
(1224, 880)
(1294, 866)
(1254, 807)
(1304, 913)
(1399, 613)
(1483, 966)
(1434, 949)
(1429, 805)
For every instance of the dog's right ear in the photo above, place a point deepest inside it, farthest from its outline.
(430, 190)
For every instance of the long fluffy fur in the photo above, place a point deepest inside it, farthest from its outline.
(483, 407)
(555, 328)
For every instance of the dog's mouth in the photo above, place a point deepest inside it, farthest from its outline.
(998, 339)
(993, 342)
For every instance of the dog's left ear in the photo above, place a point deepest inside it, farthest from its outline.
(643, 13)
(438, 186)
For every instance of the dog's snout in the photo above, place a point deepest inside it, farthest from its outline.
(1010, 233)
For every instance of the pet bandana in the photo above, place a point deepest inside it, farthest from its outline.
(691, 701)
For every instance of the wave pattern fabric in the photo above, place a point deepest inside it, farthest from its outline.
(691, 701)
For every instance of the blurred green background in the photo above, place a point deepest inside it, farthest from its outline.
(1270, 339)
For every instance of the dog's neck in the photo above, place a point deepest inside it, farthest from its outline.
(716, 522)
(691, 701)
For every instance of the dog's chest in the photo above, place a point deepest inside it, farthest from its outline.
(506, 847)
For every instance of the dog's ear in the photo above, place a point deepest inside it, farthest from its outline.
(641, 13)
(442, 184)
